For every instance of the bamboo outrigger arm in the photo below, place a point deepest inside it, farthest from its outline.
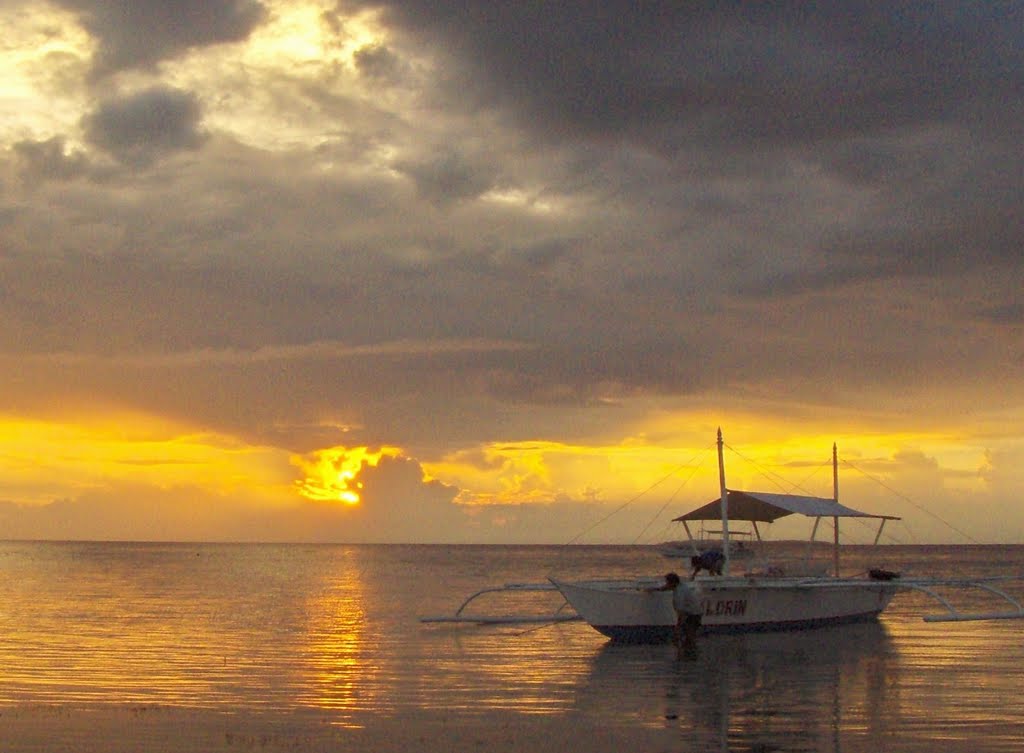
(955, 615)
(557, 616)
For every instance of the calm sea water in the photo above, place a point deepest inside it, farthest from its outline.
(336, 630)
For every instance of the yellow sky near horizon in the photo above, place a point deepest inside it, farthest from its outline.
(47, 460)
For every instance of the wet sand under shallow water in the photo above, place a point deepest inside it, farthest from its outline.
(156, 730)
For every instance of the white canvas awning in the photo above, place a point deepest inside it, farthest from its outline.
(764, 507)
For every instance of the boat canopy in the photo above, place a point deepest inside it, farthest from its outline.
(764, 507)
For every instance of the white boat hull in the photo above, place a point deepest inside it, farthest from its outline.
(630, 614)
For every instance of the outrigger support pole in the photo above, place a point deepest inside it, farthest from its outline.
(725, 504)
(835, 520)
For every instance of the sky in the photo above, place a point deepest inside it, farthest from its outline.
(474, 272)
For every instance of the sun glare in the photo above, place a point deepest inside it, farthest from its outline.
(281, 87)
(331, 475)
(43, 52)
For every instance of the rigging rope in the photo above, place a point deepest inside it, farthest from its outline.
(669, 501)
(787, 487)
(633, 499)
(912, 503)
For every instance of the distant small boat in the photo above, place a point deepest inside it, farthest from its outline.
(681, 549)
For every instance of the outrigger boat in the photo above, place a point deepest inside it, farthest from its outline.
(765, 599)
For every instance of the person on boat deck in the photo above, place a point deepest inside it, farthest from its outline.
(712, 560)
(686, 602)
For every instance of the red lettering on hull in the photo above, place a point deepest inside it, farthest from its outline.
(726, 608)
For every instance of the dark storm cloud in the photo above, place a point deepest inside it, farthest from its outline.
(141, 33)
(668, 73)
(946, 209)
(143, 126)
(653, 105)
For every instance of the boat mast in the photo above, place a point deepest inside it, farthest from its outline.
(835, 520)
(725, 504)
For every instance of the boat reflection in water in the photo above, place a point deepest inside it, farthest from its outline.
(819, 690)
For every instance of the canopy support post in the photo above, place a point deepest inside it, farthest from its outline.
(810, 541)
(689, 538)
(835, 546)
(879, 534)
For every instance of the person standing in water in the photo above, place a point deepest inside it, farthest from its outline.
(686, 602)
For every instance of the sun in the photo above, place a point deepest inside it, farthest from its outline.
(332, 474)
(348, 493)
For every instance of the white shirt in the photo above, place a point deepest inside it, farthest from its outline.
(686, 598)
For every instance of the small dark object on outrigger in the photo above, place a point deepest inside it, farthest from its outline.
(879, 574)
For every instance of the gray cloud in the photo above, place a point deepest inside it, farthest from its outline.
(446, 176)
(49, 160)
(146, 125)
(379, 63)
(142, 33)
